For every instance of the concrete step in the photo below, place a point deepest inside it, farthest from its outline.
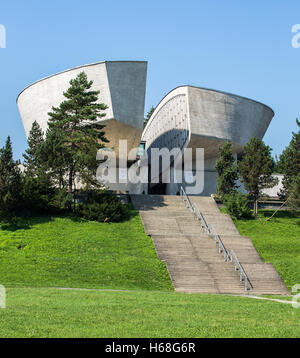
(192, 257)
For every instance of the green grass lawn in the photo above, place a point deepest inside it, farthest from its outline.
(70, 252)
(49, 312)
(277, 241)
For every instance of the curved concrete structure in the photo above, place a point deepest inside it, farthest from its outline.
(122, 87)
(193, 117)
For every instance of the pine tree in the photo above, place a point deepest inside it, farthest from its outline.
(289, 161)
(256, 168)
(227, 170)
(293, 197)
(38, 184)
(11, 182)
(148, 115)
(77, 132)
(33, 160)
(56, 158)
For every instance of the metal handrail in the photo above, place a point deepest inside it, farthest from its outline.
(200, 218)
(229, 256)
(239, 266)
(194, 208)
(219, 242)
(186, 198)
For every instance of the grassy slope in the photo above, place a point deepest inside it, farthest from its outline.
(62, 252)
(277, 241)
(36, 312)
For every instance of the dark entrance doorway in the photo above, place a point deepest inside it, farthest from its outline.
(159, 188)
(156, 188)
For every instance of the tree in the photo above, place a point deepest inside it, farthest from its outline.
(56, 158)
(293, 198)
(33, 160)
(236, 205)
(76, 132)
(38, 184)
(11, 182)
(277, 165)
(148, 115)
(289, 161)
(256, 168)
(227, 170)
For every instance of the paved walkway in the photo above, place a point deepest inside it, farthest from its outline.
(116, 290)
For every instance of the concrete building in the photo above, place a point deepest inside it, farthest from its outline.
(186, 118)
(122, 86)
(193, 117)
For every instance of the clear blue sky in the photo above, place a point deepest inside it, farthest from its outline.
(243, 47)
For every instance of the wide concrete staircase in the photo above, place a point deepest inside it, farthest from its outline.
(192, 257)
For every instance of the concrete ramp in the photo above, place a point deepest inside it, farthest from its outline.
(192, 257)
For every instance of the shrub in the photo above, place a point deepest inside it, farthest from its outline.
(14, 223)
(103, 207)
(237, 205)
(37, 194)
(62, 200)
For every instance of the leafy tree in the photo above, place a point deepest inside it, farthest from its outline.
(226, 169)
(33, 160)
(148, 115)
(76, 132)
(256, 168)
(11, 182)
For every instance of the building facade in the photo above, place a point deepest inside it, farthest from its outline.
(194, 117)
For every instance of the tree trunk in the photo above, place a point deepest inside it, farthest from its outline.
(71, 180)
(255, 207)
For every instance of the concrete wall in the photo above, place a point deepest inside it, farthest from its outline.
(273, 192)
(218, 116)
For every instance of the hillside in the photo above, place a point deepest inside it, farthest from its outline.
(277, 241)
(70, 252)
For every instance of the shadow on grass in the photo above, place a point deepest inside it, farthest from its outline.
(267, 213)
(24, 222)
(27, 221)
(280, 214)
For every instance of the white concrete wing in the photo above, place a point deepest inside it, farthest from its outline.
(194, 117)
(122, 86)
